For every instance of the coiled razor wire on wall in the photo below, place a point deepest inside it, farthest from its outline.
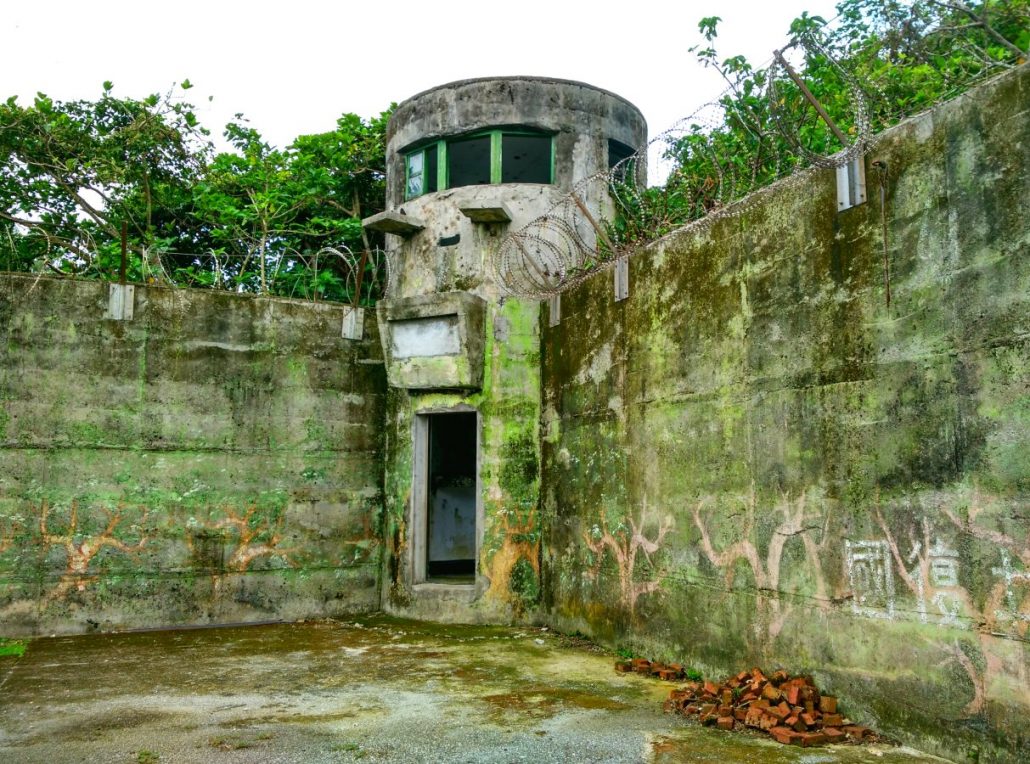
(336, 274)
(568, 244)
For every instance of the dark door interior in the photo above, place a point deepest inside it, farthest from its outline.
(451, 545)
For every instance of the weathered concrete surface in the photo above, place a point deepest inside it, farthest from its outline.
(382, 690)
(509, 536)
(216, 459)
(753, 460)
(582, 116)
(454, 254)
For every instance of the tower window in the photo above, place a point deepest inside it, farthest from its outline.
(526, 158)
(619, 160)
(421, 170)
(492, 156)
(468, 162)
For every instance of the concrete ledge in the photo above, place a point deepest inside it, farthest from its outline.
(487, 213)
(393, 222)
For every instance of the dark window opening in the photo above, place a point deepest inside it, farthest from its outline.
(526, 159)
(619, 160)
(451, 490)
(431, 169)
(468, 162)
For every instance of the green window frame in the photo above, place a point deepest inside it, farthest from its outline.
(417, 164)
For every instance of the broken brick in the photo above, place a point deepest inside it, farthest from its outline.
(793, 694)
(783, 735)
(833, 720)
(809, 739)
(725, 723)
(828, 704)
(834, 735)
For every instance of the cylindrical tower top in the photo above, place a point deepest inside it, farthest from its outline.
(499, 130)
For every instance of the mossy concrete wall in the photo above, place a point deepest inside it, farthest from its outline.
(755, 460)
(216, 459)
(509, 534)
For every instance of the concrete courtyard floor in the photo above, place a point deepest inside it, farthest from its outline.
(378, 689)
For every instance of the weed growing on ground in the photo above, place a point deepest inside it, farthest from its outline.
(15, 647)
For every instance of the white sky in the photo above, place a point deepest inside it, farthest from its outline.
(293, 67)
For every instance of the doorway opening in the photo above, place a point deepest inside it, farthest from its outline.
(451, 492)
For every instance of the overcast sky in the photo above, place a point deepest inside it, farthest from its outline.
(293, 67)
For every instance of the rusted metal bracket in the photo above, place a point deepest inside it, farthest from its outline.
(850, 176)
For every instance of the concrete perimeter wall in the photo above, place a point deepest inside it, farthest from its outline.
(216, 459)
(755, 461)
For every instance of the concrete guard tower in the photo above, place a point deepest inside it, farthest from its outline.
(466, 163)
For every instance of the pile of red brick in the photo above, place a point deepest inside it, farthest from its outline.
(791, 709)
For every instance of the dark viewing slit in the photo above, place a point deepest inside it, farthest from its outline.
(451, 547)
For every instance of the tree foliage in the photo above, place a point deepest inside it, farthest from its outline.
(878, 62)
(253, 218)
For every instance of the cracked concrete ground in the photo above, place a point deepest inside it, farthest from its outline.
(379, 689)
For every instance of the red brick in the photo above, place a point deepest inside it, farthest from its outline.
(828, 704)
(855, 732)
(776, 713)
(711, 688)
(767, 722)
(770, 692)
(754, 717)
(809, 739)
(708, 709)
(725, 722)
(740, 714)
(793, 694)
(693, 708)
(641, 665)
(833, 720)
(834, 735)
(782, 735)
(623, 666)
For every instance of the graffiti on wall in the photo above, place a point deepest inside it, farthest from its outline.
(796, 521)
(513, 565)
(250, 535)
(80, 548)
(623, 543)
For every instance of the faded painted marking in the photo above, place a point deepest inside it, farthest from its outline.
(1010, 576)
(871, 578)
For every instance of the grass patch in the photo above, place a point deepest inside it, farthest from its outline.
(231, 743)
(15, 647)
(147, 757)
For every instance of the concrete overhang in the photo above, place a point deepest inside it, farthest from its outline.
(393, 222)
(487, 212)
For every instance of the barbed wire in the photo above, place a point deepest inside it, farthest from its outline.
(771, 146)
